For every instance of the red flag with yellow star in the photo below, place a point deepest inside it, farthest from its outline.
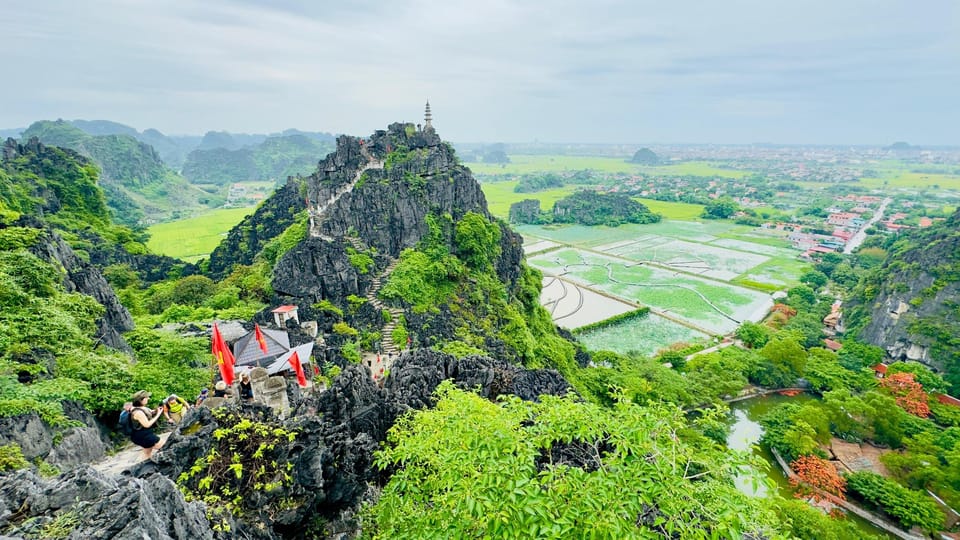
(258, 335)
(223, 356)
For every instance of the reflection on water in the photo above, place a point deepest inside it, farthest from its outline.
(745, 432)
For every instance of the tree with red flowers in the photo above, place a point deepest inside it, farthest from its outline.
(815, 472)
(908, 393)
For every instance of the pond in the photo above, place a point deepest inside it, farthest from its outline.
(745, 432)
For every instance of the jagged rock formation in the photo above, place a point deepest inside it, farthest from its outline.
(87, 504)
(908, 305)
(387, 206)
(525, 211)
(332, 457)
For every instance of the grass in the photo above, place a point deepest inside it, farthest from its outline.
(500, 196)
(672, 210)
(524, 164)
(194, 238)
(904, 179)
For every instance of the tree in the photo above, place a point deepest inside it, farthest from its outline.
(814, 278)
(817, 473)
(908, 393)
(753, 335)
(559, 468)
(785, 351)
(722, 208)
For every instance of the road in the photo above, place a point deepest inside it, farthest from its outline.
(861, 235)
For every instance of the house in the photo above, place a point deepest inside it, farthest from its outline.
(925, 222)
(283, 314)
(843, 234)
(276, 359)
(833, 345)
(948, 400)
(880, 370)
(843, 219)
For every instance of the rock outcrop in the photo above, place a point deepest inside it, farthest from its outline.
(908, 305)
(87, 504)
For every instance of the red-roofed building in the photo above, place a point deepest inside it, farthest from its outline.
(948, 400)
(843, 234)
(925, 222)
(284, 313)
(833, 345)
(880, 370)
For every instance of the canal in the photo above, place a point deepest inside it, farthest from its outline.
(745, 432)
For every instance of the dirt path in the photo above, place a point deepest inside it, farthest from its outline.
(126, 457)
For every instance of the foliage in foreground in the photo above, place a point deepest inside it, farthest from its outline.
(559, 468)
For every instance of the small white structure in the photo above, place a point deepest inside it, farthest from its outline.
(283, 314)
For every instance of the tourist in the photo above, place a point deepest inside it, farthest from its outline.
(246, 389)
(144, 420)
(202, 397)
(220, 389)
(173, 408)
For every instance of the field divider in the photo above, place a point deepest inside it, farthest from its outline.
(638, 305)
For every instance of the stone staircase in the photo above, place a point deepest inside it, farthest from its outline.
(318, 213)
(386, 332)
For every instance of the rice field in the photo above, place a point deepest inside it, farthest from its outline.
(715, 307)
(572, 306)
(645, 336)
(194, 238)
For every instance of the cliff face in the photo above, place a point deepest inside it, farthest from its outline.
(376, 194)
(909, 306)
(411, 173)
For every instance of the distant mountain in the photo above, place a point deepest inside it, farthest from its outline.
(7, 133)
(104, 127)
(173, 150)
(274, 158)
(139, 187)
(645, 156)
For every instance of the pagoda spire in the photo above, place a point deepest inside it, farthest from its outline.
(427, 117)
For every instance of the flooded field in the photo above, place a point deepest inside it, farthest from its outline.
(573, 306)
(646, 336)
(714, 307)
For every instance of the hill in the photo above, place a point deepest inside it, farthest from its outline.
(138, 186)
(908, 306)
(645, 156)
(274, 158)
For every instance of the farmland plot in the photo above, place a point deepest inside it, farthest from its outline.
(646, 336)
(704, 259)
(713, 306)
(572, 306)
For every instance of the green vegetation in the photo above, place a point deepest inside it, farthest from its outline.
(275, 158)
(592, 208)
(242, 472)
(136, 183)
(363, 262)
(11, 458)
(194, 238)
(616, 319)
(472, 468)
(910, 508)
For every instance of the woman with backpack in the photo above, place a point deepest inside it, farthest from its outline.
(143, 420)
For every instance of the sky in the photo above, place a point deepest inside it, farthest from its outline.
(677, 71)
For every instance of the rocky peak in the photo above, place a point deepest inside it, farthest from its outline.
(380, 189)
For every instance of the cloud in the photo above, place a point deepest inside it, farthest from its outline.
(497, 70)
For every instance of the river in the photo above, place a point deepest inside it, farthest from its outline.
(745, 431)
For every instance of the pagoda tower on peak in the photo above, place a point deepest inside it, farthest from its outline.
(427, 118)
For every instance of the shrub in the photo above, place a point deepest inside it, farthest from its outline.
(11, 458)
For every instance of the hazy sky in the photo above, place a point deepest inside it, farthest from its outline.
(721, 71)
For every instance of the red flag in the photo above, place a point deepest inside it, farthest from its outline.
(316, 369)
(258, 335)
(298, 368)
(223, 356)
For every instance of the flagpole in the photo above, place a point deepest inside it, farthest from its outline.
(213, 363)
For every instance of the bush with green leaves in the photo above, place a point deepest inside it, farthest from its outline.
(910, 508)
(559, 468)
(245, 459)
(11, 458)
